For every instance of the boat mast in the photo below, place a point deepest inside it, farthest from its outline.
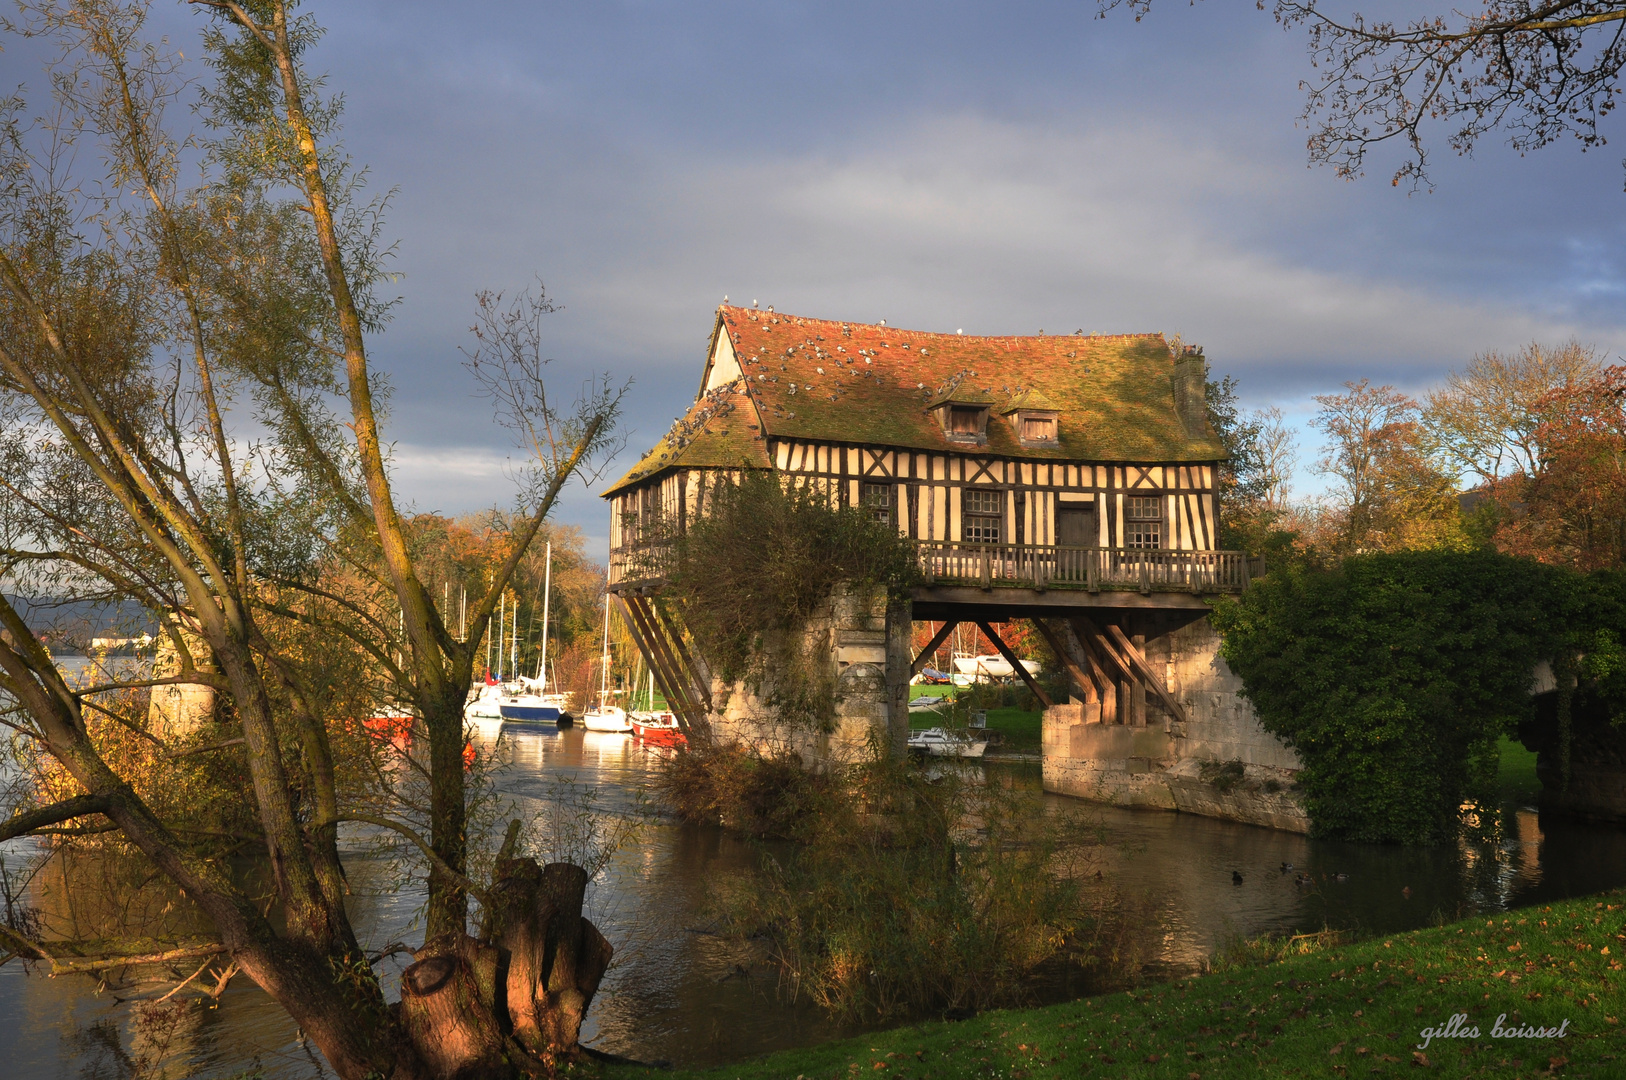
(502, 621)
(547, 593)
(604, 676)
(513, 640)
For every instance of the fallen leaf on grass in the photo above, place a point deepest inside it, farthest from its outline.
(1420, 1058)
(1339, 1049)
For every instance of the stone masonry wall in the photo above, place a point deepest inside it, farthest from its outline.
(848, 635)
(1162, 765)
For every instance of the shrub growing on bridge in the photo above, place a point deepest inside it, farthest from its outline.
(761, 559)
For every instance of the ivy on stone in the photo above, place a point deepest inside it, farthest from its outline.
(1394, 675)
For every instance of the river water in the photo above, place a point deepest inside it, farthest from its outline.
(677, 992)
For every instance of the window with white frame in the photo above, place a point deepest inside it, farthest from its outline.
(983, 514)
(878, 501)
(1143, 521)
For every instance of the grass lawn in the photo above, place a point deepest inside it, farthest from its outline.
(1517, 772)
(1021, 729)
(1345, 1010)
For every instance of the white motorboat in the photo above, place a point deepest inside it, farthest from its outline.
(928, 702)
(992, 665)
(937, 742)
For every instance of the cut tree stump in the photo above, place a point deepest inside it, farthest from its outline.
(555, 957)
(449, 1008)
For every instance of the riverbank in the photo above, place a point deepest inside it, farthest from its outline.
(1294, 1008)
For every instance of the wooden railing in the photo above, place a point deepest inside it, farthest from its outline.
(645, 562)
(1047, 566)
(1026, 566)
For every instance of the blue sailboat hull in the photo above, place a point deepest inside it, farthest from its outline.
(530, 714)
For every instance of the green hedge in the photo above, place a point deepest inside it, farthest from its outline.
(1393, 675)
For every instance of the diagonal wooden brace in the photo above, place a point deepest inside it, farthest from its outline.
(1016, 665)
(1145, 673)
(1065, 657)
(933, 645)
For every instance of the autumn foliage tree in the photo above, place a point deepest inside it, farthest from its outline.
(1573, 508)
(1389, 491)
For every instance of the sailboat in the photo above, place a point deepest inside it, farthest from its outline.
(484, 705)
(530, 703)
(656, 725)
(604, 716)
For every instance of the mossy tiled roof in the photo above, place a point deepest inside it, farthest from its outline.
(721, 430)
(857, 383)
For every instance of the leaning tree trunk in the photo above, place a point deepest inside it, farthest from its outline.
(513, 1001)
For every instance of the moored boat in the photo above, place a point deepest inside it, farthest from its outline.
(940, 743)
(484, 705)
(606, 718)
(531, 705)
(659, 727)
(970, 669)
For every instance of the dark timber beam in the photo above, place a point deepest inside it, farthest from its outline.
(933, 645)
(1016, 664)
(660, 662)
(1147, 675)
(1098, 650)
(640, 638)
(1065, 656)
(702, 689)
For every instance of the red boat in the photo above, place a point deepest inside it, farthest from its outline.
(660, 728)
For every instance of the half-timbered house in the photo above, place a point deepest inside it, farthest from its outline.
(1067, 478)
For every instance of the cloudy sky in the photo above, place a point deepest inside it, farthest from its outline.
(1001, 168)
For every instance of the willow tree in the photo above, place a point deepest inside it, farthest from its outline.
(189, 420)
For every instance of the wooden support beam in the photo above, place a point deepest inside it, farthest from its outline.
(1147, 675)
(1107, 667)
(663, 678)
(1135, 666)
(1103, 681)
(675, 675)
(702, 685)
(1016, 664)
(1065, 656)
(933, 645)
(649, 643)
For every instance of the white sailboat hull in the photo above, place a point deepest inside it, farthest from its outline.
(606, 718)
(993, 666)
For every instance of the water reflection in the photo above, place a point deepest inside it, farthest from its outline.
(678, 992)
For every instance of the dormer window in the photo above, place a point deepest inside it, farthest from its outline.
(965, 420)
(1036, 428)
(963, 423)
(1034, 418)
(962, 412)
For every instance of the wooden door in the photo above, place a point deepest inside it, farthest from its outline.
(1075, 525)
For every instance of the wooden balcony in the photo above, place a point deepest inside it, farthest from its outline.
(1047, 566)
(1022, 566)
